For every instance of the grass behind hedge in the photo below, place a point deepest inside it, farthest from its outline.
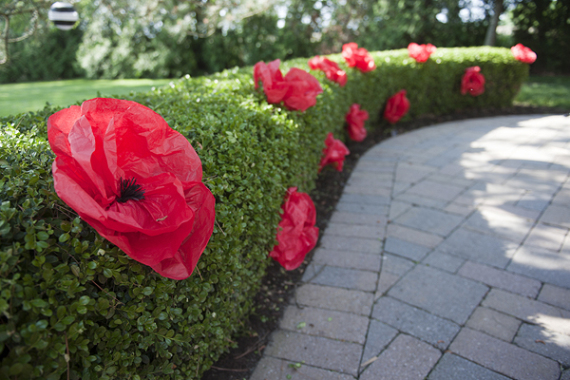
(66, 293)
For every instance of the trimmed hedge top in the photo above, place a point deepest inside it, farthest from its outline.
(71, 301)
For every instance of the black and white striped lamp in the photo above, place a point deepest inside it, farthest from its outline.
(63, 15)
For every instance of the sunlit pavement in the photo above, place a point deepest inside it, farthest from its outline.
(448, 257)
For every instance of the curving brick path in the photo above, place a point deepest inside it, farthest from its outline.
(447, 257)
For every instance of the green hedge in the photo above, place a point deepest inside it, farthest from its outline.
(70, 298)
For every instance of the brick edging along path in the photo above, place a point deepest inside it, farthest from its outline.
(447, 257)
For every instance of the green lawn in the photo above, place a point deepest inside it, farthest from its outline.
(22, 97)
(32, 96)
(545, 91)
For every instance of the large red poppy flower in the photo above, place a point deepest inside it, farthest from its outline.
(473, 82)
(330, 68)
(296, 233)
(298, 89)
(135, 180)
(396, 107)
(523, 54)
(421, 52)
(333, 153)
(357, 57)
(355, 119)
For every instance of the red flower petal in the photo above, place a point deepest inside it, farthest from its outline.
(297, 233)
(333, 153)
(473, 82)
(422, 52)
(357, 57)
(523, 54)
(106, 141)
(355, 119)
(330, 68)
(274, 86)
(303, 90)
(396, 107)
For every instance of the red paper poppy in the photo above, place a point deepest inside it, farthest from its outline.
(298, 89)
(355, 119)
(523, 54)
(296, 233)
(473, 82)
(333, 153)
(330, 68)
(134, 180)
(357, 57)
(422, 52)
(397, 106)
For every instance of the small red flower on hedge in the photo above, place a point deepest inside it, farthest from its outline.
(298, 89)
(523, 54)
(296, 233)
(396, 107)
(421, 52)
(333, 153)
(136, 181)
(355, 119)
(330, 68)
(357, 57)
(473, 82)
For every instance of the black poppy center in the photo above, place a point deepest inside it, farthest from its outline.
(130, 190)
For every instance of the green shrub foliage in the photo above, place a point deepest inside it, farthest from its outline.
(72, 304)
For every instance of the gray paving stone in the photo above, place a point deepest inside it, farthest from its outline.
(498, 222)
(555, 295)
(379, 336)
(418, 323)
(315, 351)
(360, 219)
(429, 220)
(375, 167)
(270, 368)
(345, 259)
(503, 357)
(501, 279)
(547, 343)
(355, 230)
(461, 210)
(399, 187)
(536, 312)
(345, 243)
(406, 249)
(494, 323)
(448, 296)
(398, 208)
(365, 199)
(406, 172)
(543, 265)
(362, 208)
(395, 264)
(453, 367)
(346, 278)
(370, 179)
(478, 247)
(405, 358)
(419, 200)
(436, 190)
(368, 190)
(413, 235)
(326, 297)
(443, 261)
(386, 281)
(557, 214)
(548, 237)
(326, 323)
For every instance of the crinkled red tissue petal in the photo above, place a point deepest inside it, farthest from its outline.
(421, 52)
(330, 68)
(358, 57)
(296, 234)
(473, 82)
(355, 119)
(107, 142)
(333, 153)
(523, 54)
(396, 107)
